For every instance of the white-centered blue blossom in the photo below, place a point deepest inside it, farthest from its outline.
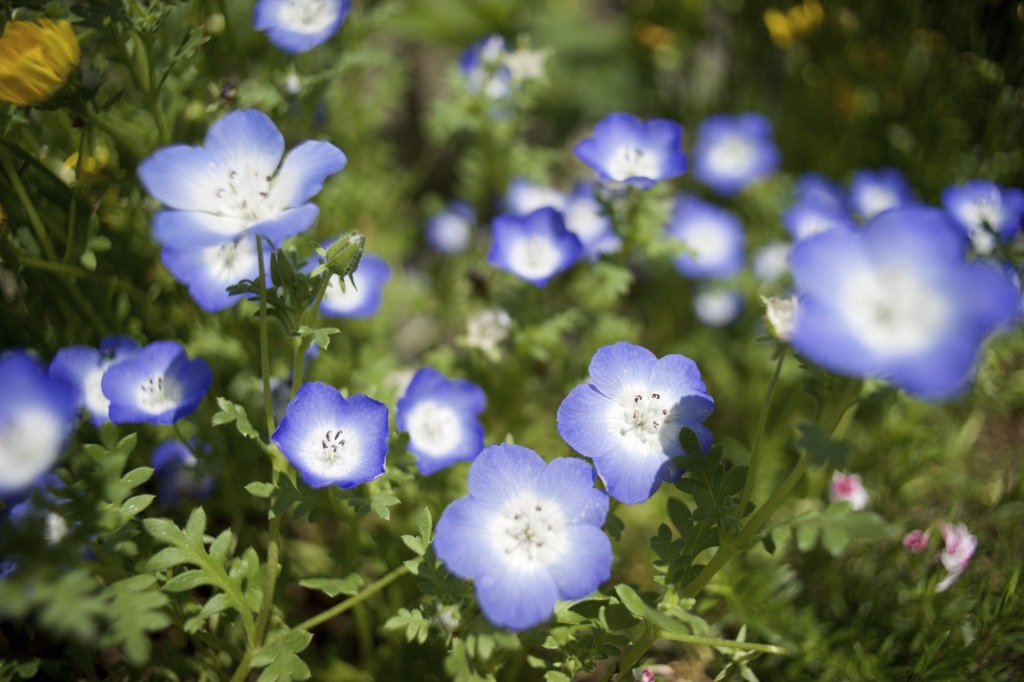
(451, 230)
(987, 212)
(534, 247)
(627, 420)
(717, 307)
(898, 301)
(442, 417)
(36, 415)
(878, 190)
(176, 470)
(585, 217)
(364, 298)
(333, 440)
(295, 26)
(770, 262)
(820, 189)
(810, 216)
(483, 67)
(523, 197)
(713, 239)
(732, 152)
(236, 184)
(83, 367)
(528, 534)
(209, 271)
(157, 385)
(626, 150)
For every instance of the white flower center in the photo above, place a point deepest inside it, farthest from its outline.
(708, 242)
(97, 403)
(983, 217)
(643, 417)
(308, 16)
(30, 441)
(732, 155)
(233, 261)
(157, 394)
(535, 256)
(434, 428)
(876, 199)
(245, 194)
(894, 312)
(55, 528)
(631, 161)
(528, 532)
(332, 447)
(583, 218)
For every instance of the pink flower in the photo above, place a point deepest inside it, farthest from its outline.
(960, 547)
(848, 488)
(644, 675)
(916, 541)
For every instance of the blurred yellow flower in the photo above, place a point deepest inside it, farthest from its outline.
(35, 60)
(796, 22)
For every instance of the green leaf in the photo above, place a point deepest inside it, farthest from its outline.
(136, 477)
(322, 335)
(136, 505)
(822, 450)
(332, 587)
(280, 658)
(163, 530)
(262, 490)
(415, 625)
(195, 527)
(187, 581)
(231, 413)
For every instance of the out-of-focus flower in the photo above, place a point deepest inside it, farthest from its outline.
(483, 67)
(175, 468)
(299, 25)
(820, 189)
(333, 440)
(898, 301)
(628, 418)
(363, 295)
(988, 212)
(713, 238)
(535, 247)
(731, 152)
(875, 191)
(770, 262)
(916, 541)
(526, 65)
(83, 367)
(209, 271)
(523, 197)
(451, 230)
(960, 546)
(848, 488)
(808, 217)
(36, 415)
(485, 331)
(624, 149)
(585, 218)
(798, 21)
(528, 533)
(35, 60)
(442, 418)
(157, 385)
(717, 307)
(237, 184)
(780, 316)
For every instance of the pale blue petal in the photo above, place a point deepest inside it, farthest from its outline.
(303, 173)
(501, 472)
(246, 143)
(187, 230)
(516, 599)
(587, 563)
(185, 178)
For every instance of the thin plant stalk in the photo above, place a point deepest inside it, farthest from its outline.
(762, 419)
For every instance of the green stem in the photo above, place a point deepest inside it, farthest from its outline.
(299, 344)
(344, 606)
(242, 671)
(725, 643)
(75, 192)
(30, 208)
(755, 448)
(125, 142)
(273, 573)
(74, 271)
(268, 402)
(635, 653)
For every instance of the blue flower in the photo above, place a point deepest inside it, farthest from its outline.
(208, 272)
(528, 534)
(295, 26)
(175, 468)
(36, 415)
(332, 440)
(717, 307)
(897, 301)
(732, 152)
(628, 419)
(626, 150)
(874, 191)
(523, 197)
(365, 298)
(811, 215)
(770, 262)
(987, 212)
(585, 217)
(713, 238)
(535, 247)
(83, 367)
(236, 184)
(442, 418)
(451, 230)
(158, 385)
(818, 188)
(483, 67)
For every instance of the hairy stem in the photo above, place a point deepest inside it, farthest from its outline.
(762, 419)
(344, 606)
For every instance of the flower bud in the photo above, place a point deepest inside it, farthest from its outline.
(36, 60)
(780, 314)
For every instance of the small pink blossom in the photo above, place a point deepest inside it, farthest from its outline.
(643, 675)
(848, 488)
(916, 541)
(960, 547)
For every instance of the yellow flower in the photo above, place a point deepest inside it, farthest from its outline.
(796, 22)
(35, 60)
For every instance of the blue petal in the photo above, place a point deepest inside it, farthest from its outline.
(247, 143)
(632, 476)
(622, 369)
(923, 239)
(207, 274)
(303, 173)
(188, 230)
(587, 563)
(583, 422)
(501, 472)
(269, 17)
(677, 375)
(463, 540)
(290, 223)
(74, 364)
(122, 383)
(516, 599)
(365, 298)
(570, 481)
(185, 178)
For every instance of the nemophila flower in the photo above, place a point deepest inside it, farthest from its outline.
(848, 488)
(36, 415)
(333, 440)
(451, 230)
(874, 191)
(780, 316)
(712, 237)
(208, 272)
(732, 152)
(717, 307)
(483, 67)
(486, 330)
(83, 367)
(36, 60)
(771, 261)
(820, 189)
(236, 184)
(628, 418)
(528, 534)
(898, 301)
(442, 418)
(157, 385)
(523, 197)
(175, 468)
(534, 247)
(916, 541)
(585, 217)
(38, 507)
(808, 217)
(987, 212)
(295, 26)
(626, 150)
(362, 299)
(960, 546)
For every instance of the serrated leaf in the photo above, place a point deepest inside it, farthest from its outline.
(187, 581)
(425, 525)
(167, 558)
(163, 530)
(293, 642)
(136, 505)
(332, 587)
(415, 544)
(219, 547)
(321, 335)
(195, 527)
(231, 413)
